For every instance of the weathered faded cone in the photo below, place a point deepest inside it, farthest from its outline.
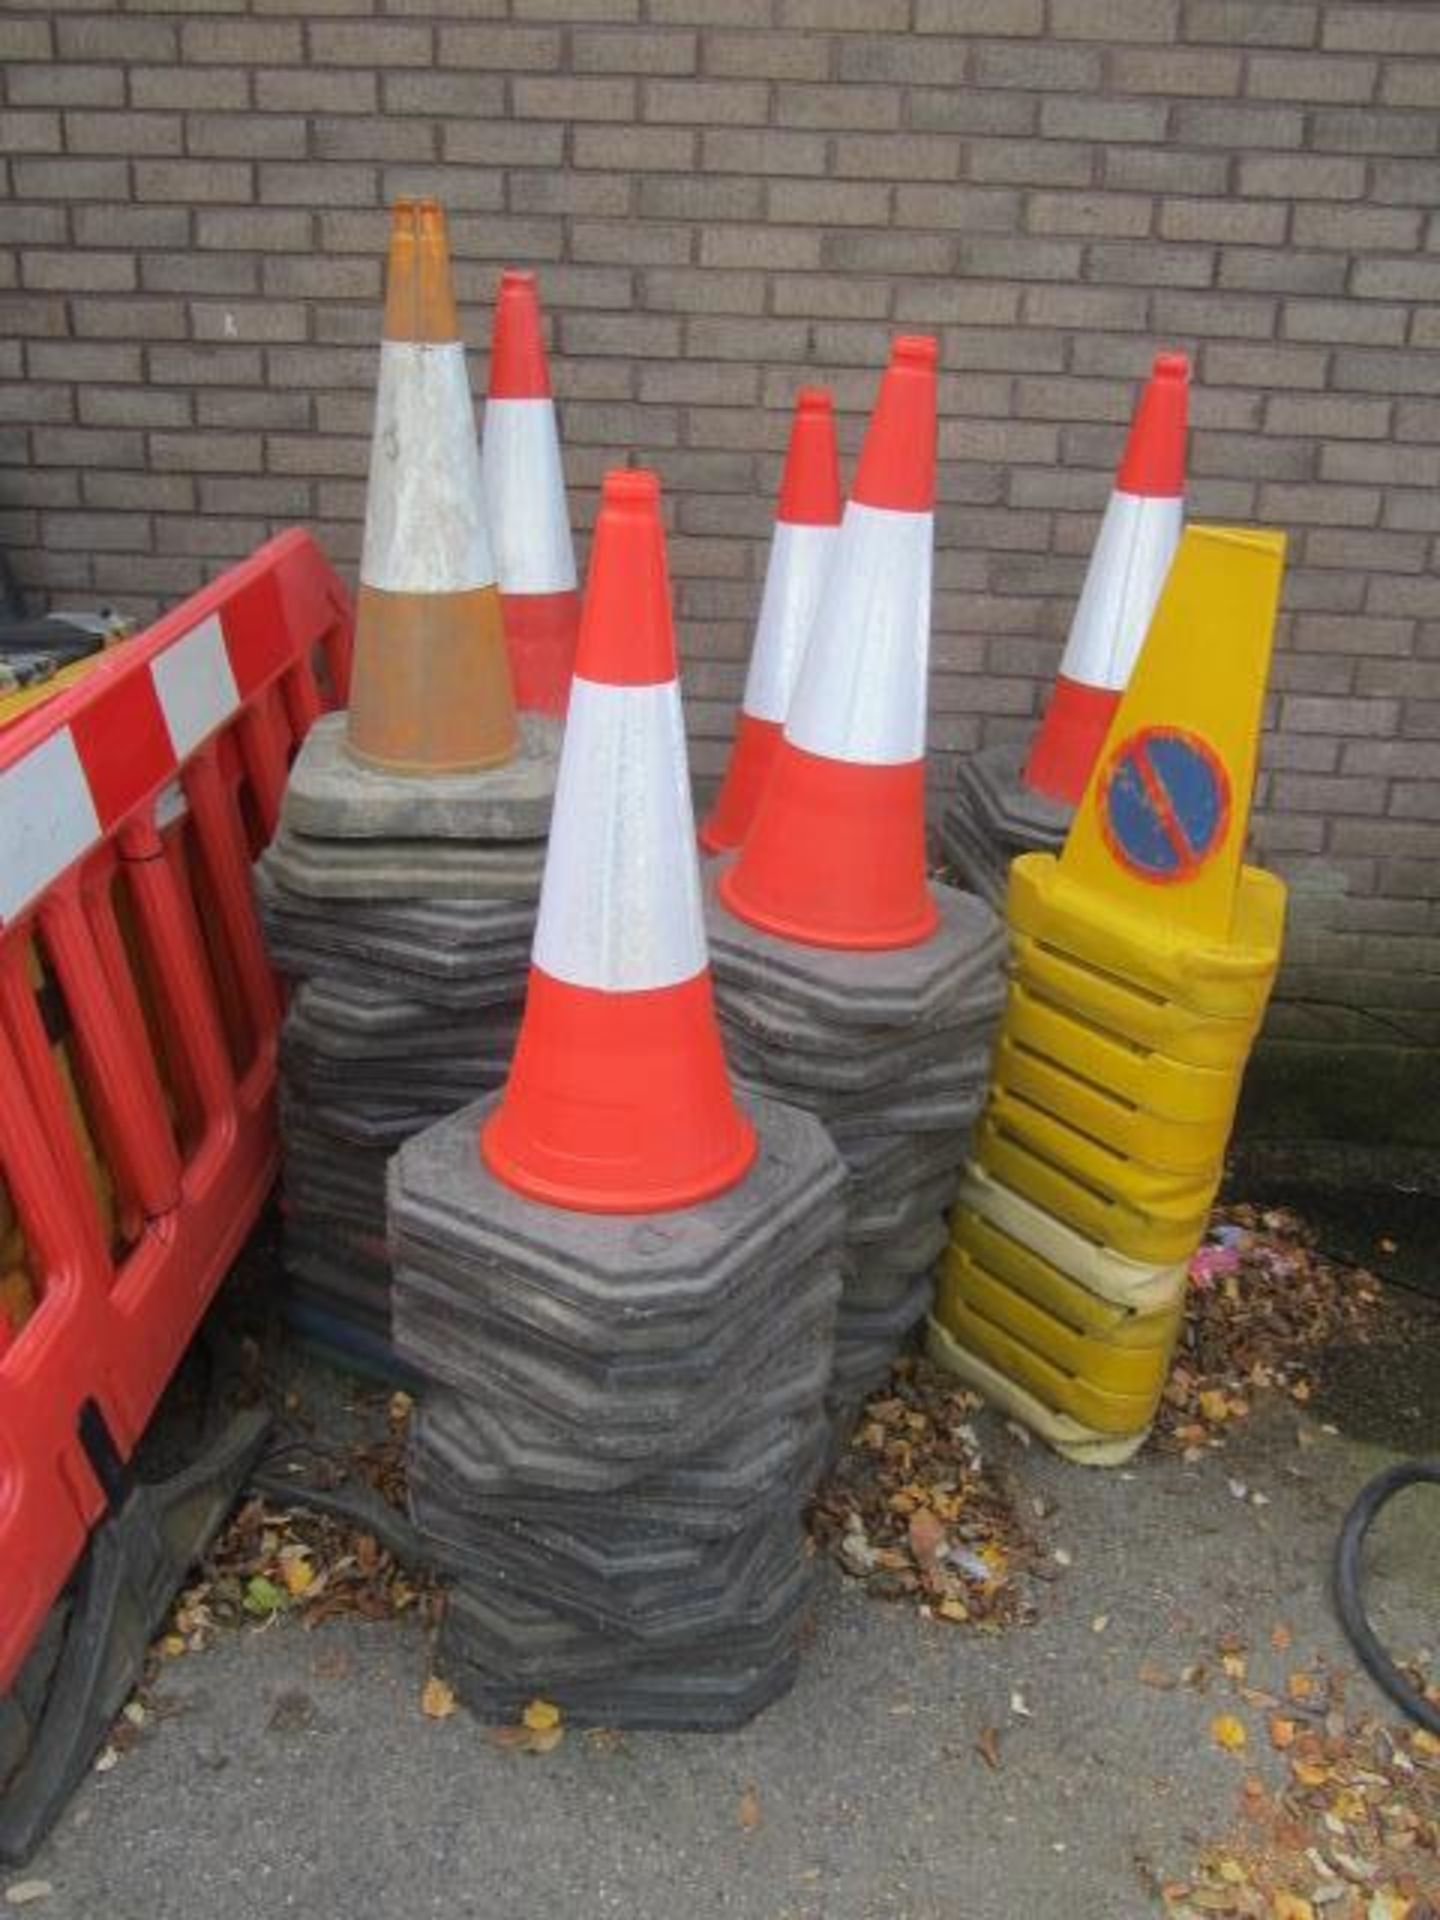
(431, 690)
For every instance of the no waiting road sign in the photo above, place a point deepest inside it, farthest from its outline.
(1164, 804)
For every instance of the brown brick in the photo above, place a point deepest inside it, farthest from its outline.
(924, 61)
(54, 179)
(1380, 465)
(29, 132)
(113, 226)
(1348, 320)
(767, 56)
(25, 40)
(1413, 279)
(1203, 316)
(1024, 163)
(500, 144)
(329, 185)
(1278, 23)
(1045, 67)
(640, 243)
(348, 137)
(1382, 29)
(269, 136)
(1085, 307)
(969, 210)
(1190, 73)
(1309, 78)
(1235, 126)
(309, 90)
(122, 133)
(842, 16)
(1282, 270)
(1322, 506)
(701, 290)
(1405, 182)
(96, 532)
(65, 86)
(990, 17)
(1063, 117)
(567, 99)
(832, 108)
(1268, 366)
(129, 319)
(502, 48)
(1304, 176)
(105, 39)
(1146, 264)
(1087, 213)
(243, 43)
(1411, 83)
(192, 272)
(1166, 170)
(751, 150)
(76, 271)
(829, 203)
(637, 149)
(193, 181)
(133, 407)
(1373, 130)
(694, 197)
(82, 360)
(197, 90)
(968, 110)
(1253, 222)
(376, 44)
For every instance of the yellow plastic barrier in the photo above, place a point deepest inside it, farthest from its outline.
(1138, 1286)
(1088, 1106)
(1143, 958)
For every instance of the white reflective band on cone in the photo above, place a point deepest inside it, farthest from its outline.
(47, 820)
(425, 510)
(862, 689)
(620, 905)
(1132, 556)
(525, 497)
(195, 686)
(800, 558)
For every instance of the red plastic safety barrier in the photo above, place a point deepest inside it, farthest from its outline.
(138, 1027)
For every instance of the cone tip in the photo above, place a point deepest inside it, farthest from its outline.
(518, 367)
(630, 487)
(914, 350)
(1171, 366)
(814, 400)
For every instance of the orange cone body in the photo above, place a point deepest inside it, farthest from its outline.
(618, 1099)
(1132, 557)
(806, 529)
(430, 689)
(525, 497)
(835, 856)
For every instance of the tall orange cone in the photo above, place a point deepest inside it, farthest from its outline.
(1132, 556)
(525, 497)
(835, 856)
(806, 530)
(619, 1100)
(430, 689)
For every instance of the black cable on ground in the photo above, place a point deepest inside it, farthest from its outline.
(352, 1500)
(1349, 1591)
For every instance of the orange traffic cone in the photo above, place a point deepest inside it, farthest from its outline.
(430, 690)
(806, 529)
(1132, 556)
(835, 856)
(525, 497)
(619, 1100)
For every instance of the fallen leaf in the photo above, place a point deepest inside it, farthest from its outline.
(1282, 1732)
(106, 1759)
(541, 1717)
(1290, 1906)
(987, 1745)
(1151, 1675)
(545, 1741)
(1228, 1732)
(1100, 1623)
(437, 1698)
(748, 1812)
(927, 1538)
(1019, 1705)
(24, 1893)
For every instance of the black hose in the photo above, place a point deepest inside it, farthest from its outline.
(1349, 1592)
(353, 1500)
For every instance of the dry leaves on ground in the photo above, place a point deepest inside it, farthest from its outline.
(1351, 1832)
(1262, 1306)
(274, 1559)
(913, 1510)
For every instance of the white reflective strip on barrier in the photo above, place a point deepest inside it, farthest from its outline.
(800, 558)
(47, 820)
(170, 805)
(195, 685)
(1133, 551)
(525, 497)
(620, 907)
(862, 689)
(425, 509)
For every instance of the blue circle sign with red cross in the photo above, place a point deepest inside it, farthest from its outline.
(1164, 804)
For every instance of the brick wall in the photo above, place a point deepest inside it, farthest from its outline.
(725, 197)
